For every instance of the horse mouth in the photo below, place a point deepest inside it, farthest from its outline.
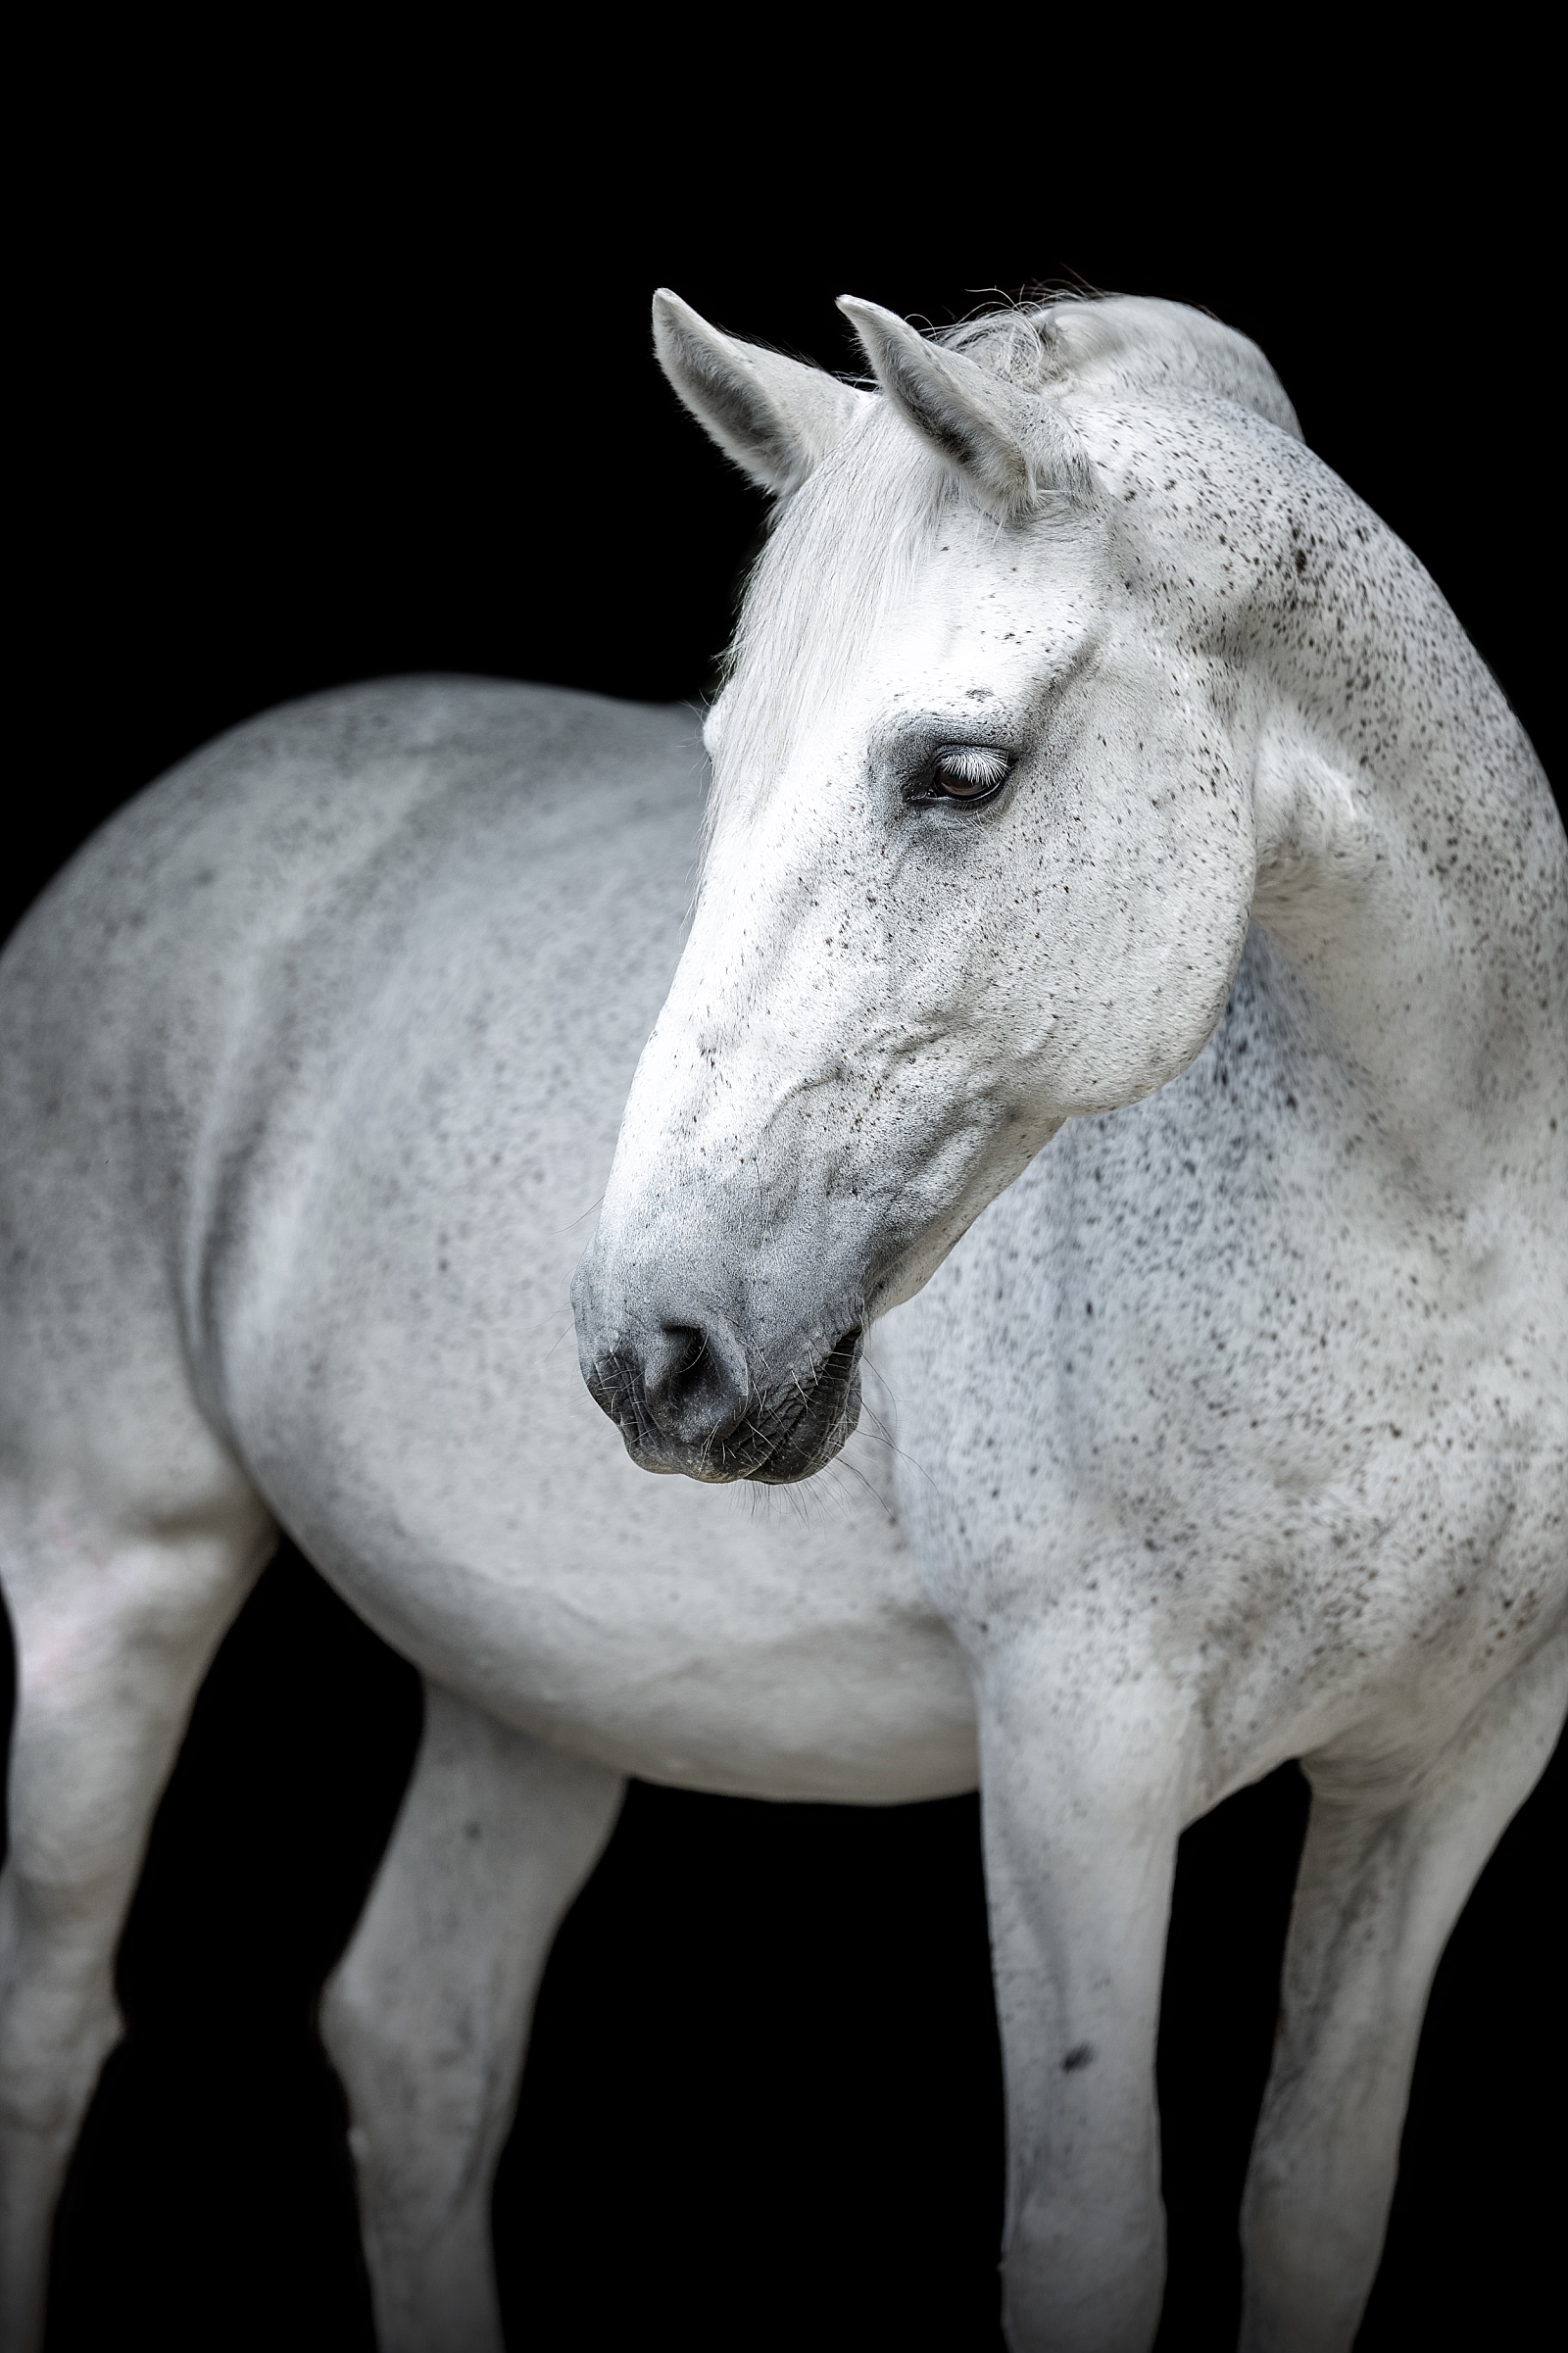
(782, 1437)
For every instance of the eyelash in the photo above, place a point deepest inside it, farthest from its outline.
(978, 767)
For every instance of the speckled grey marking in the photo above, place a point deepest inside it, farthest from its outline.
(1230, 1427)
(1234, 1426)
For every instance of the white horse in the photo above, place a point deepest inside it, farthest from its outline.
(1096, 767)
(1235, 1429)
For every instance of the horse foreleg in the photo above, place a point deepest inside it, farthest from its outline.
(114, 1627)
(426, 2018)
(1082, 1804)
(1380, 1886)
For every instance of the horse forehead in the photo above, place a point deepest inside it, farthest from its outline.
(992, 616)
(884, 579)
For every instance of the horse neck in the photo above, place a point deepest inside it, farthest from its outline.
(1411, 863)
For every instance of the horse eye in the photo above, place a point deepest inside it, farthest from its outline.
(968, 771)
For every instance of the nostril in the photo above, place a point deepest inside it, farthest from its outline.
(676, 1350)
(690, 1387)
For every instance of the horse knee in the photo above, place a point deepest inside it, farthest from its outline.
(1082, 2283)
(1307, 2264)
(59, 2017)
(51, 2056)
(425, 2107)
(357, 2038)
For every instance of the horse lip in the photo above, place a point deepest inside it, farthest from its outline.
(620, 1396)
(718, 1465)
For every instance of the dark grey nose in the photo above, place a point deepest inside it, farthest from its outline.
(677, 1391)
(692, 1380)
(686, 1397)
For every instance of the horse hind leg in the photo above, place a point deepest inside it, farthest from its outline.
(1379, 1890)
(426, 2015)
(116, 1612)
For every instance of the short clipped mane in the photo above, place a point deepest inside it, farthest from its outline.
(1098, 347)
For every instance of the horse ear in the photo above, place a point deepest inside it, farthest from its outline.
(776, 417)
(1012, 448)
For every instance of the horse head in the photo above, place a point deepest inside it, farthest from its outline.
(981, 848)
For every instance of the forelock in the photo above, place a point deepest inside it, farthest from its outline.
(842, 552)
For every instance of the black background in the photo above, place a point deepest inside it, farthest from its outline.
(335, 368)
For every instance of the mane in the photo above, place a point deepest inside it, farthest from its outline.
(870, 512)
(1107, 347)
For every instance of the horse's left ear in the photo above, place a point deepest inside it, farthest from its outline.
(1012, 448)
(776, 417)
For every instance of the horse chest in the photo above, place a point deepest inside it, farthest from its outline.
(1207, 1390)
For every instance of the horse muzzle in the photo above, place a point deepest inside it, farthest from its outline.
(686, 1396)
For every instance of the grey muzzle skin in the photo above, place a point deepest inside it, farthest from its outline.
(688, 1395)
